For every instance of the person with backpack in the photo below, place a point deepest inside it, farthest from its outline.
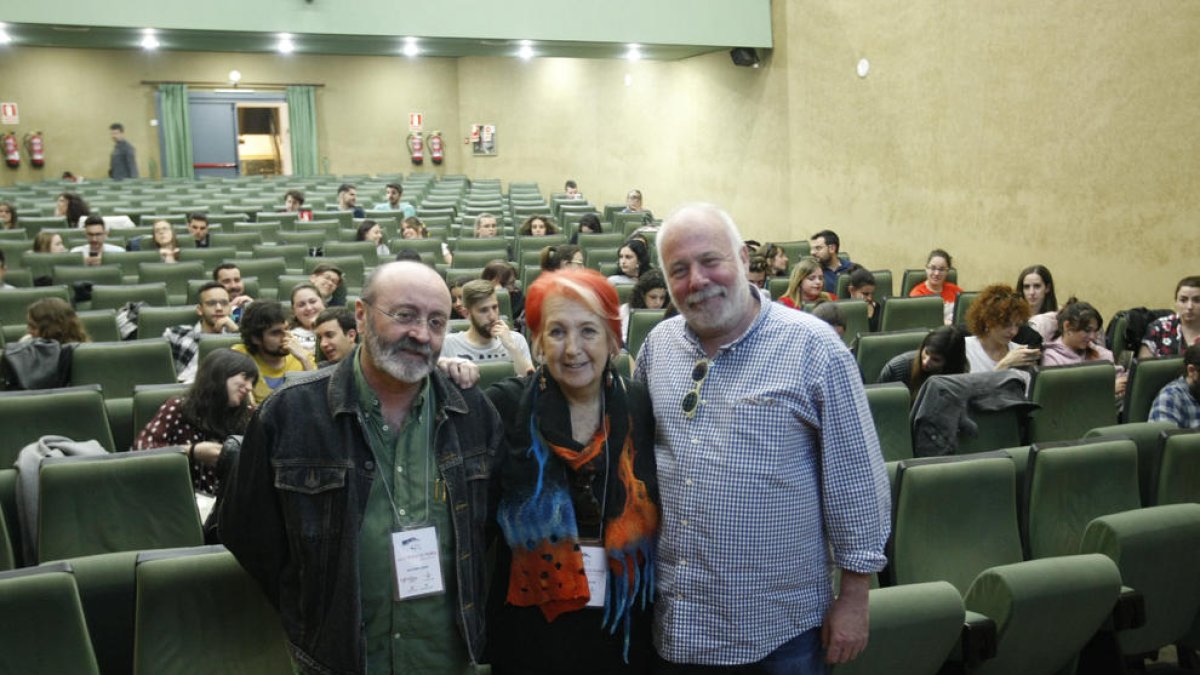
(1172, 334)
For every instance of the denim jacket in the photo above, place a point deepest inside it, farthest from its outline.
(293, 507)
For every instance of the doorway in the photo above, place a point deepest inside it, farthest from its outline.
(238, 133)
(262, 135)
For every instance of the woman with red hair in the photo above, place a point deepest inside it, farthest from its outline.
(579, 500)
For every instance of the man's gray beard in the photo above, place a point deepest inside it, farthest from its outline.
(390, 358)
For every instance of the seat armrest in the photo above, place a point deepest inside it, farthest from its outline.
(978, 641)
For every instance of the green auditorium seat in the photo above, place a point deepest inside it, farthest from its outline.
(43, 264)
(14, 305)
(148, 398)
(13, 250)
(7, 559)
(196, 608)
(908, 313)
(208, 257)
(100, 324)
(534, 245)
(1157, 550)
(240, 240)
(588, 242)
(1068, 484)
(129, 260)
(492, 372)
(122, 502)
(45, 631)
(117, 367)
(1178, 479)
(268, 232)
(962, 305)
(641, 322)
(456, 272)
(502, 246)
(174, 275)
(889, 404)
(433, 246)
(96, 274)
(1147, 377)
(360, 249)
(75, 412)
(1045, 611)
(883, 284)
(152, 321)
(777, 286)
(876, 349)
(478, 259)
(267, 269)
(115, 296)
(1073, 399)
(208, 343)
(107, 589)
(995, 429)
(353, 269)
(1147, 436)
(854, 315)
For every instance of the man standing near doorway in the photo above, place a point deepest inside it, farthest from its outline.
(123, 162)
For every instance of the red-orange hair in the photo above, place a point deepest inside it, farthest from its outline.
(583, 285)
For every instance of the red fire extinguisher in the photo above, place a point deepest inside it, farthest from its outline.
(36, 149)
(416, 148)
(436, 147)
(12, 152)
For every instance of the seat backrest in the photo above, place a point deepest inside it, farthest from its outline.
(1179, 468)
(14, 303)
(962, 305)
(114, 296)
(208, 257)
(876, 349)
(119, 366)
(995, 429)
(243, 240)
(293, 254)
(209, 343)
(353, 269)
(152, 321)
(75, 412)
(468, 242)
(100, 324)
(148, 398)
(363, 249)
(913, 277)
(122, 502)
(1147, 436)
(202, 607)
(1147, 377)
(96, 274)
(905, 313)
(854, 315)
(641, 322)
(45, 631)
(889, 404)
(942, 505)
(1073, 399)
(174, 275)
(43, 264)
(1069, 484)
(477, 259)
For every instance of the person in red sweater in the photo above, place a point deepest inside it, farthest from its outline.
(937, 266)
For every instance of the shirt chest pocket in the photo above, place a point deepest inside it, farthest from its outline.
(313, 495)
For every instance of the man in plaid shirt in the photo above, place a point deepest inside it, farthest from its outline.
(213, 310)
(1179, 401)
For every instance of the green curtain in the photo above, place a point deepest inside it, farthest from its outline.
(302, 118)
(177, 131)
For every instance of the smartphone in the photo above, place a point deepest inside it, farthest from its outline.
(93, 254)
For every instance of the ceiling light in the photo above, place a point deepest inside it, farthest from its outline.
(634, 53)
(148, 39)
(235, 76)
(285, 45)
(4, 37)
(410, 47)
(526, 50)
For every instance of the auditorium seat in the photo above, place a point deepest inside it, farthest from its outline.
(208, 257)
(100, 324)
(1147, 377)
(854, 315)
(96, 274)
(117, 367)
(353, 269)
(129, 260)
(1147, 436)
(911, 278)
(268, 232)
(7, 559)
(174, 275)
(293, 254)
(912, 630)
(589, 242)
(152, 321)
(962, 305)
(478, 259)
(198, 610)
(883, 284)
(75, 412)
(908, 313)
(310, 239)
(361, 249)
(148, 398)
(1073, 399)
(266, 269)
(14, 306)
(1178, 479)
(45, 630)
(105, 296)
(889, 404)
(209, 343)
(243, 241)
(876, 349)
(641, 322)
(121, 502)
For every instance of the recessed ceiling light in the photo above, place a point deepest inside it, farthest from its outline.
(526, 50)
(4, 36)
(285, 45)
(634, 53)
(410, 47)
(149, 41)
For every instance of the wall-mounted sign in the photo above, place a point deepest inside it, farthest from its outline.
(416, 122)
(483, 139)
(9, 114)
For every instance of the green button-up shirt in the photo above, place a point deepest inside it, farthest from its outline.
(418, 635)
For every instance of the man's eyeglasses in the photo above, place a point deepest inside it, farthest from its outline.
(691, 401)
(407, 318)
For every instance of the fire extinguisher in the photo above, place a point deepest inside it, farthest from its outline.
(12, 152)
(416, 148)
(436, 147)
(36, 149)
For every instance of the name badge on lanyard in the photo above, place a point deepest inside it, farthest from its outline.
(416, 562)
(595, 566)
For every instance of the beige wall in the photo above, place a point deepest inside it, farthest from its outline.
(1008, 134)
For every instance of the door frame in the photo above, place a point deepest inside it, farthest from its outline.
(268, 99)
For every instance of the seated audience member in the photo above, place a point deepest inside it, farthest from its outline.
(633, 202)
(589, 223)
(413, 228)
(650, 292)
(3, 269)
(777, 258)
(942, 352)
(328, 280)
(395, 192)
(95, 248)
(1080, 338)
(8, 216)
(1037, 285)
(937, 267)
(48, 242)
(408, 255)
(161, 239)
(488, 339)
(370, 231)
(756, 273)
(71, 208)
(293, 201)
(633, 259)
(230, 278)
(994, 317)
(806, 285)
(486, 226)
(217, 405)
(502, 274)
(457, 309)
(198, 227)
(571, 190)
(861, 286)
(213, 310)
(307, 305)
(42, 358)
(1171, 335)
(1179, 401)
(825, 247)
(538, 226)
(265, 339)
(337, 334)
(347, 200)
(561, 256)
(830, 313)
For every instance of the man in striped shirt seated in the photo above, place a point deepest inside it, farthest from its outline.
(769, 469)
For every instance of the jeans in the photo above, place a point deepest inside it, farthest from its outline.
(802, 655)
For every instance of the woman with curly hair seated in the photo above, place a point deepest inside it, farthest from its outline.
(994, 318)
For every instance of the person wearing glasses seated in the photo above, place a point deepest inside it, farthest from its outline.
(214, 310)
(360, 500)
(769, 469)
(578, 494)
(937, 266)
(568, 256)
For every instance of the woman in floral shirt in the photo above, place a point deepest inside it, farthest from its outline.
(1171, 335)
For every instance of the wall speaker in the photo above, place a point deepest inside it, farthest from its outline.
(747, 57)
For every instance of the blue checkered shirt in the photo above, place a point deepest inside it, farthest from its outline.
(777, 477)
(1175, 404)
